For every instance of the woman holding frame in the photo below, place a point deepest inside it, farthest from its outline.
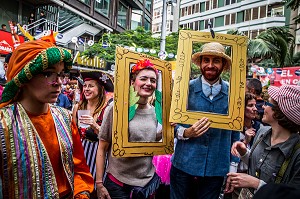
(131, 176)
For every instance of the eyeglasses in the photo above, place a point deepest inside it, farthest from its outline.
(52, 75)
(268, 104)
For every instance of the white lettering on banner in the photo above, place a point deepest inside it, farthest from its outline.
(7, 49)
(295, 81)
(285, 81)
(286, 73)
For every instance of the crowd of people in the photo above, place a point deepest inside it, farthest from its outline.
(56, 141)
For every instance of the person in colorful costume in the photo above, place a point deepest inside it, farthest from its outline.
(40, 149)
(93, 99)
(126, 176)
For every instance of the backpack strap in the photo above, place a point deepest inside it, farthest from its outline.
(285, 164)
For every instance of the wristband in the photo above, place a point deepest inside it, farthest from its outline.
(99, 182)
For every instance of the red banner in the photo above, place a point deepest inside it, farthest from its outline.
(281, 76)
(6, 42)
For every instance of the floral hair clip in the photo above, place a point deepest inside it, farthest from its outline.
(143, 64)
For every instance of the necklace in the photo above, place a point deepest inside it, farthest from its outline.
(142, 104)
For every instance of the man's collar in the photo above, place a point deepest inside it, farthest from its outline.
(198, 85)
(205, 82)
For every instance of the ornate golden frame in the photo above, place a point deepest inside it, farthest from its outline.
(120, 145)
(235, 118)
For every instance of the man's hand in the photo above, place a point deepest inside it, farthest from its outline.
(197, 129)
(238, 149)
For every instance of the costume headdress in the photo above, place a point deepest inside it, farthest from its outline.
(28, 60)
(143, 64)
(212, 48)
(103, 78)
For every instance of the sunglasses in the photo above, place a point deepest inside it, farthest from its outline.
(268, 104)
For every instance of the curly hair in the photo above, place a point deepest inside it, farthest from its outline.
(283, 120)
(249, 96)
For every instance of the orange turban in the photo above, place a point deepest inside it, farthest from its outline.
(28, 60)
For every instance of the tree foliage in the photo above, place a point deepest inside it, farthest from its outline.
(139, 38)
(276, 43)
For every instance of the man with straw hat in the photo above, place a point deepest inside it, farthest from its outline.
(40, 149)
(202, 154)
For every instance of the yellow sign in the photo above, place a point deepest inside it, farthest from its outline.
(95, 62)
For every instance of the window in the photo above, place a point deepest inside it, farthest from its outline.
(196, 27)
(220, 3)
(262, 12)
(277, 12)
(148, 5)
(248, 15)
(233, 16)
(182, 12)
(207, 7)
(136, 19)
(190, 10)
(192, 26)
(202, 7)
(157, 13)
(227, 2)
(202, 25)
(122, 15)
(255, 14)
(219, 21)
(240, 17)
(254, 33)
(197, 8)
(87, 2)
(214, 3)
(207, 21)
(147, 24)
(102, 6)
(227, 20)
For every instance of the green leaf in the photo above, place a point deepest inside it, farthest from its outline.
(133, 97)
(158, 106)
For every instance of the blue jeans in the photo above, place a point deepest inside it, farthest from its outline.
(185, 186)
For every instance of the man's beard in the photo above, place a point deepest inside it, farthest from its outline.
(211, 77)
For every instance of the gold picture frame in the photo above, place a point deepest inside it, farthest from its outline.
(234, 120)
(121, 147)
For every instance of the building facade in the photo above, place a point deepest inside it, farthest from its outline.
(74, 18)
(248, 16)
(172, 17)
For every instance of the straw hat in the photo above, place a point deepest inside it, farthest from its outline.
(212, 48)
(288, 99)
(102, 77)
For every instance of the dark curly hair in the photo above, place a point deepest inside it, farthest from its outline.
(249, 96)
(283, 120)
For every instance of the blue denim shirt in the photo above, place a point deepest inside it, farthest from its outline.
(209, 154)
